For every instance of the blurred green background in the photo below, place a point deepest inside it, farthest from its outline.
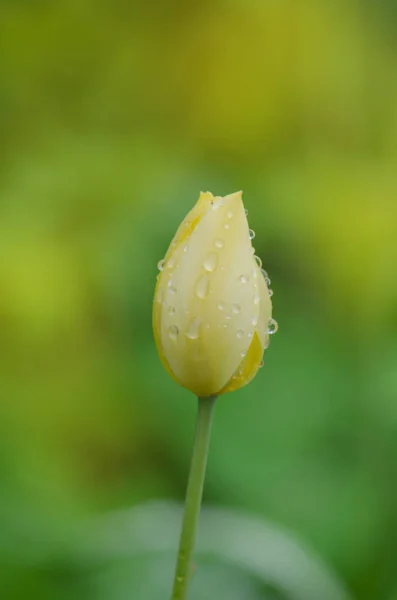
(113, 116)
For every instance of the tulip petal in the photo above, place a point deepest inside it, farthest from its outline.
(189, 223)
(251, 363)
(248, 367)
(187, 226)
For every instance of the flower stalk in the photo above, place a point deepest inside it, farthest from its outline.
(194, 495)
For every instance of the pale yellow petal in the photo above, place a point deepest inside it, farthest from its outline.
(248, 367)
(190, 222)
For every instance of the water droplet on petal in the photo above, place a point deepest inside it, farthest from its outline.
(221, 306)
(272, 326)
(173, 332)
(266, 276)
(251, 234)
(252, 250)
(270, 293)
(171, 310)
(185, 248)
(254, 321)
(202, 287)
(258, 261)
(227, 225)
(243, 353)
(240, 333)
(171, 288)
(243, 279)
(218, 243)
(256, 298)
(211, 262)
(246, 211)
(250, 335)
(193, 330)
(261, 364)
(160, 264)
(236, 308)
(229, 214)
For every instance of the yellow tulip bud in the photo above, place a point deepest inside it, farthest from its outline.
(212, 308)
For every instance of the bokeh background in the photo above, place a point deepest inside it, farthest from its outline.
(113, 116)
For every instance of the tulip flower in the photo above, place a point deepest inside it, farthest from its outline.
(212, 317)
(212, 305)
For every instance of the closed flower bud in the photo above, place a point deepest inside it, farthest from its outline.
(212, 308)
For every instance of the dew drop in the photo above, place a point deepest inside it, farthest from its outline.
(211, 262)
(256, 298)
(251, 234)
(240, 333)
(252, 250)
(171, 310)
(243, 279)
(160, 264)
(246, 211)
(185, 248)
(272, 326)
(202, 287)
(258, 261)
(254, 321)
(261, 364)
(171, 288)
(229, 214)
(228, 317)
(250, 335)
(236, 308)
(243, 353)
(266, 276)
(221, 306)
(270, 293)
(227, 225)
(173, 332)
(193, 330)
(218, 243)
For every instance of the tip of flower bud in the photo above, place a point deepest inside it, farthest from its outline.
(234, 196)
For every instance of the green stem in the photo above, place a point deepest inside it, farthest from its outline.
(194, 495)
